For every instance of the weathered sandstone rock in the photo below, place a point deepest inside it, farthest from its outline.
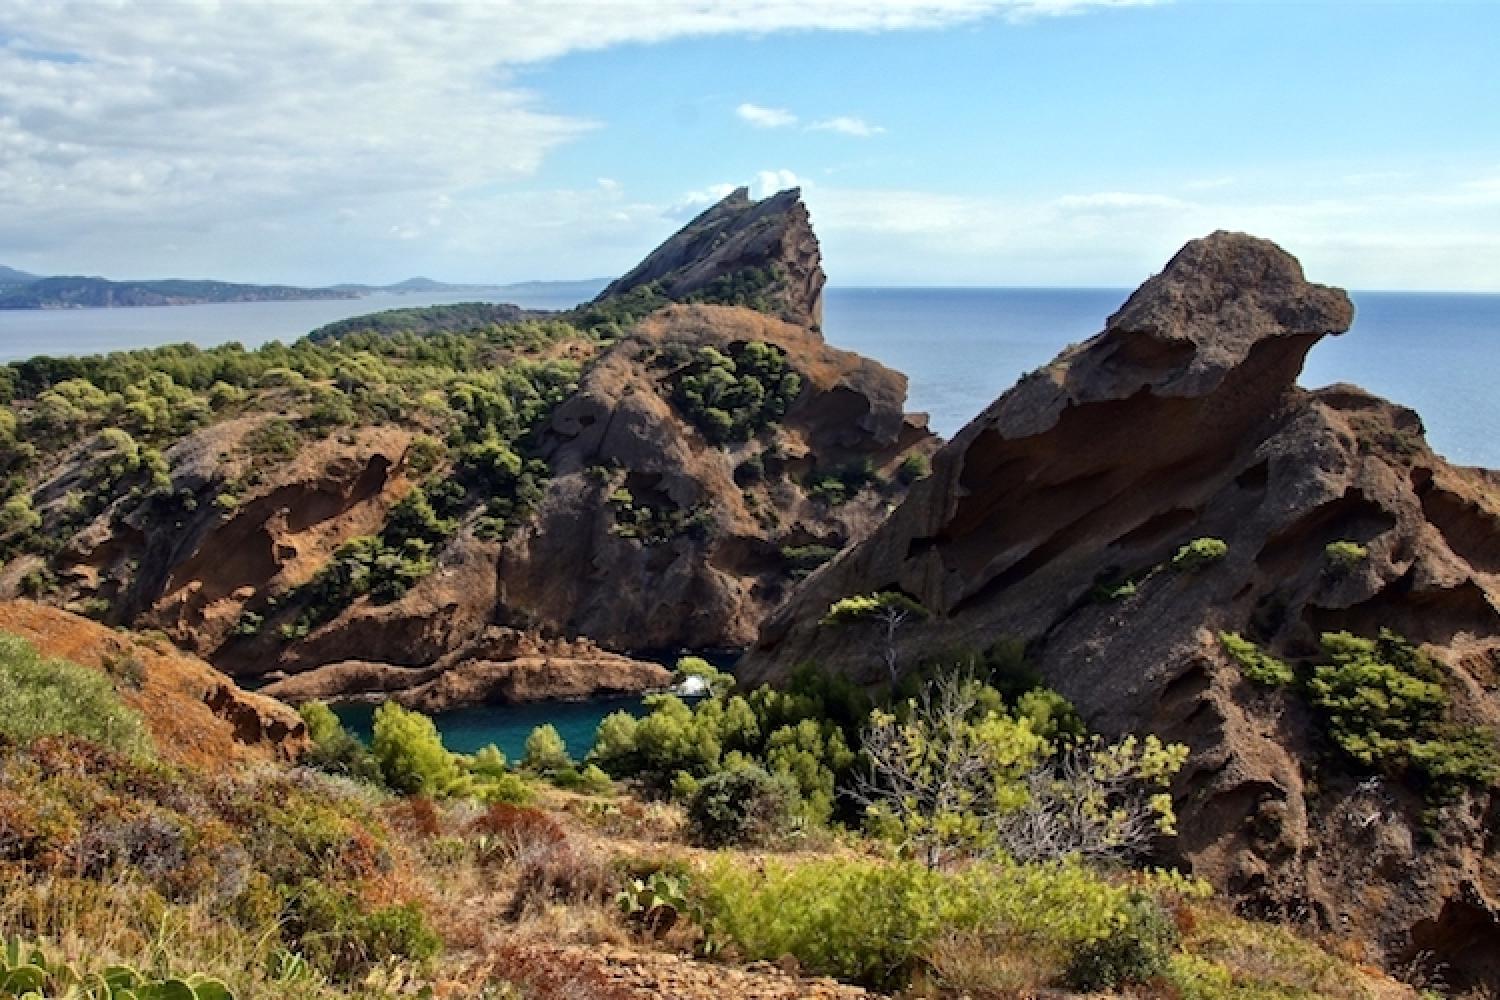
(1183, 420)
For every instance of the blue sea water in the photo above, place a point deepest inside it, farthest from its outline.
(960, 348)
(466, 730)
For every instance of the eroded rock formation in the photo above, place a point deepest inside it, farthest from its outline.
(1053, 518)
(770, 242)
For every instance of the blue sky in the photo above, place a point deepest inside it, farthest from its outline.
(1008, 142)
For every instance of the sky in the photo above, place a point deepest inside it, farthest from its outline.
(937, 142)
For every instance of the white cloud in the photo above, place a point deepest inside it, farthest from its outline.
(846, 125)
(126, 129)
(1443, 237)
(762, 117)
(768, 182)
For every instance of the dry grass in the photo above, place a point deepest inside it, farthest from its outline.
(987, 968)
(1277, 956)
(93, 924)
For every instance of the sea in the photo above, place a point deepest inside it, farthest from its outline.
(1438, 353)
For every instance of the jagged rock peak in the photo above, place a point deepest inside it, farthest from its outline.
(773, 237)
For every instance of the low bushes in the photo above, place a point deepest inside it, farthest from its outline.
(745, 805)
(1256, 664)
(1386, 708)
(257, 858)
(52, 697)
(875, 922)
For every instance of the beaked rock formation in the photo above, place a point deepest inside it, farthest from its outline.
(1054, 516)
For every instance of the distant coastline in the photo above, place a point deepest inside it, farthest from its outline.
(22, 291)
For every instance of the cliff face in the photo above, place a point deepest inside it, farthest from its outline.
(1053, 517)
(768, 244)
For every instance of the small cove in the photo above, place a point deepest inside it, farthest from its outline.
(466, 730)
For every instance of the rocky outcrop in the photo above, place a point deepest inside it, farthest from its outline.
(657, 527)
(1053, 518)
(195, 714)
(497, 666)
(731, 510)
(768, 245)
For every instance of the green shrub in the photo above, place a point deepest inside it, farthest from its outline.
(874, 921)
(341, 935)
(614, 747)
(1344, 555)
(1135, 952)
(836, 486)
(732, 395)
(914, 467)
(53, 697)
(410, 752)
(1255, 663)
(1199, 552)
(545, 750)
(741, 806)
(335, 749)
(1386, 709)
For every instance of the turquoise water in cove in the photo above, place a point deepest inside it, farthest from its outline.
(507, 726)
(960, 348)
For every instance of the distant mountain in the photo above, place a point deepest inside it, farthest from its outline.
(20, 290)
(583, 288)
(94, 293)
(10, 276)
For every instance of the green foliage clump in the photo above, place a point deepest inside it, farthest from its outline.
(735, 394)
(873, 922)
(1386, 709)
(659, 522)
(749, 287)
(1138, 951)
(1198, 553)
(742, 805)
(801, 560)
(53, 697)
(545, 750)
(335, 749)
(839, 485)
(410, 752)
(873, 607)
(341, 934)
(1344, 555)
(1255, 663)
(914, 467)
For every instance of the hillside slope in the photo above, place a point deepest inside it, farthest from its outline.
(397, 498)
